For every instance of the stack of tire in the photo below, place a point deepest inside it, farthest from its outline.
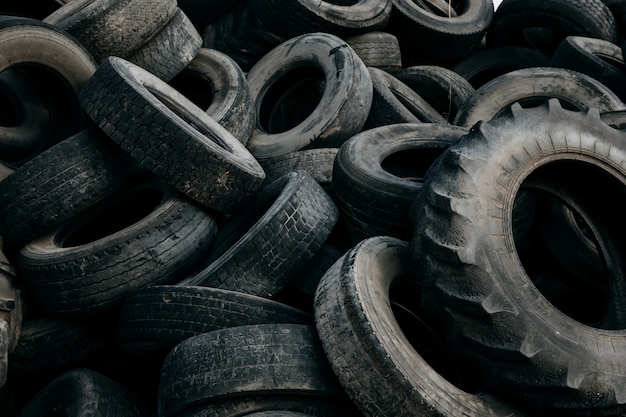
(294, 207)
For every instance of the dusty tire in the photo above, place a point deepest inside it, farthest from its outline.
(374, 360)
(495, 308)
(377, 49)
(215, 83)
(552, 21)
(245, 361)
(112, 27)
(317, 162)
(531, 86)
(144, 234)
(302, 64)
(58, 183)
(56, 67)
(170, 49)
(259, 249)
(221, 174)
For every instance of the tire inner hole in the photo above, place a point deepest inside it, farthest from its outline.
(195, 87)
(291, 99)
(411, 164)
(567, 240)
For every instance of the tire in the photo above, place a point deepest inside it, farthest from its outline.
(556, 19)
(379, 173)
(394, 102)
(49, 347)
(450, 37)
(375, 362)
(531, 86)
(244, 361)
(170, 49)
(485, 65)
(221, 175)
(85, 393)
(377, 49)
(112, 27)
(597, 58)
(58, 183)
(442, 88)
(91, 262)
(260, 249)
(154, 319)
(316, 162)
(619, 13)
(294, 18)
(309, 405)
(286, 73)
(494, 306)
(214, 82)
(56, 68)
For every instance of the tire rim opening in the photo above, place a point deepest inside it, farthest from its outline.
(195, 87)
(109, 217)
(567, 236)
(291, 99)
(411, 164)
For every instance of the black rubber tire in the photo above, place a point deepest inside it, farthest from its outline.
(450, 37)
(328, 62)
(214, 82)
(394, 102)
(378, 49)
(56, 67)
(379, 173)
(244, 361)
(485, 65)
(493, 311)
(49, 346)
(442, 88)
(317, 162)
(532, 86)
(168, 134)
(618, 9)
(170, 49)
(82, 392)
(309, 405)
(156, 318)
(112, 27)
(92, 261)
(600, 59)
(241, 35)
(202, 12)
(59, 182)
(375, 362)
(291, 18)
(260, 249)
(559, 18)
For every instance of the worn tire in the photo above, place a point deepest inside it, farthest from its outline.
(531, 86)
(168, 134)
(487, 298)
(317, 162)
(379, 173)
(91, 262)
(374, 360)
(58, 183)
(259, 249)
(245, 361)
(307, 61)
(112, 27)
(170, 49)
(377, 49)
